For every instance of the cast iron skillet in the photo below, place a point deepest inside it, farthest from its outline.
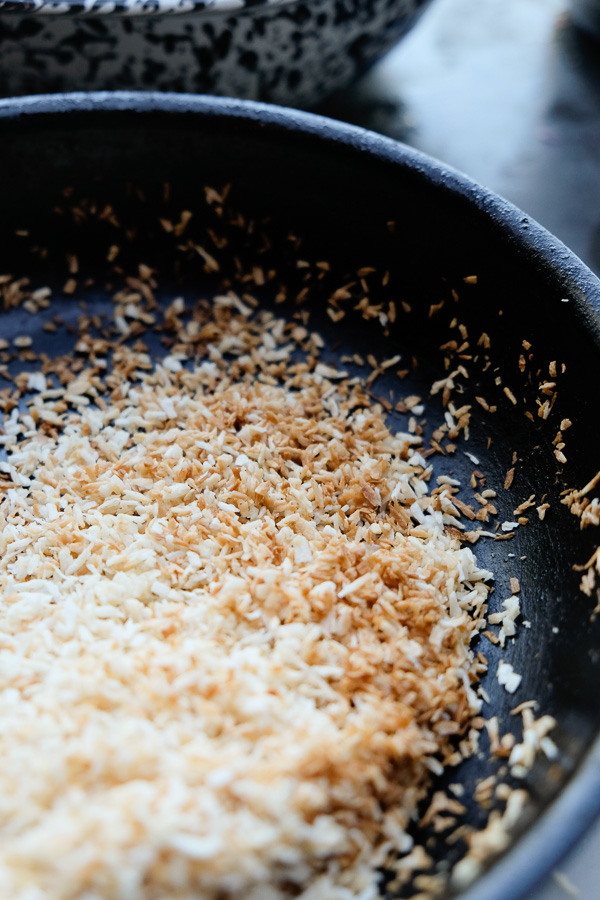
(340, 187)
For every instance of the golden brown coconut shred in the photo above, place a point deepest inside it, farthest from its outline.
(234, 633)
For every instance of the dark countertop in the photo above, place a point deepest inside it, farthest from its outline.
(508, 91)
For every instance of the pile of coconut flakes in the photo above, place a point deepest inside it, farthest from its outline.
(234, 632)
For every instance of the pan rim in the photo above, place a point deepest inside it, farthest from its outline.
(566, 819)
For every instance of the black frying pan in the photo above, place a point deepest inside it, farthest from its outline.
(338, 187)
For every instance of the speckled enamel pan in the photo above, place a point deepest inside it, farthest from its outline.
(283, 51)
(341, 187)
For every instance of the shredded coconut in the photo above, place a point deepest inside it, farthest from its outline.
(234, 635)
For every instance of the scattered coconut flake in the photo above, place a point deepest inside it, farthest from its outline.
(507, 677)
(36, 381)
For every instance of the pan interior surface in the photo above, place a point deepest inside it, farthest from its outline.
(459, 268)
